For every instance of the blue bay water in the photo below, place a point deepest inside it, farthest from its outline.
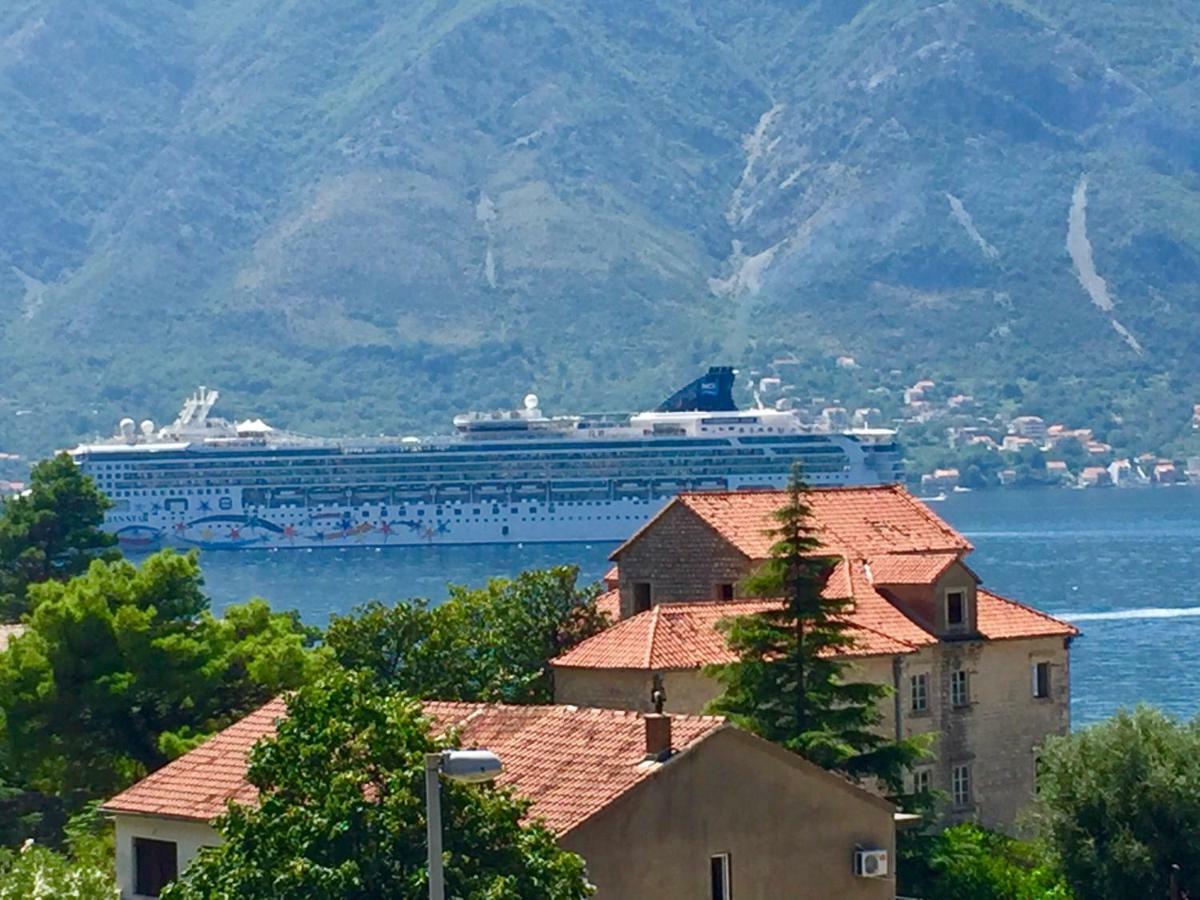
(1123, 565)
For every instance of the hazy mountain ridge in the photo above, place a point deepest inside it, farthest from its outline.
(365, 218)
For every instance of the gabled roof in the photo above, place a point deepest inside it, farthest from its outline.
(685, 636)
(909, 568)
(999, 618)
(569, 761)
(199, 784)
(853, 521)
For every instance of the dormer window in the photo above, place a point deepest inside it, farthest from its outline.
(956, 609)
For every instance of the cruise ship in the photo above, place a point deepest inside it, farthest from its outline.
(503, 477)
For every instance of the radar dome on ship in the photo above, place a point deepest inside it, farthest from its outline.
(125, 427)
(531, 402)
(147, 427)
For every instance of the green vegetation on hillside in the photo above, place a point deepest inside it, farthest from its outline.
(366, 221)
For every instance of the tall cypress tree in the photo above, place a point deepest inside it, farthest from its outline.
(787, 684)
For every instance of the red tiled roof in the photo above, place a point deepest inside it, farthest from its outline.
(857, 521)
(909, 568)
(199, 784)
(611, 577)
(609, 603)
(569, 762)
(685, 636)
(1000, 618)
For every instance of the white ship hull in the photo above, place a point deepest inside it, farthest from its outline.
(514, 477)
(372, 525)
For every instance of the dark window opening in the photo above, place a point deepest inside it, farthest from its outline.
(955, 612)
(1041, 680)
(719, 875)
(641, 596)
(724, 591)
(156, 864)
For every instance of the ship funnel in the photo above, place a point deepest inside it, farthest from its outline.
(711, 393)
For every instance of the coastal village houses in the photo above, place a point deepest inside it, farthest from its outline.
(989, 677)
(664, 807)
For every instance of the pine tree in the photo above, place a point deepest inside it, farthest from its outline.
(787, 685)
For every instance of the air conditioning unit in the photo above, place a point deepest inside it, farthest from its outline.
(870, 863)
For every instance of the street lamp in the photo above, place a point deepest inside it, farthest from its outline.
(466, 766)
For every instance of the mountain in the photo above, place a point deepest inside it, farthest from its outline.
(365, 216)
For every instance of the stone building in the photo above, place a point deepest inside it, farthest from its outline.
(670, 807)
(989, 677)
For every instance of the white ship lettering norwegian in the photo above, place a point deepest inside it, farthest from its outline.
(505, 477)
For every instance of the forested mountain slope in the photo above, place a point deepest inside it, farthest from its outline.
(366, 215)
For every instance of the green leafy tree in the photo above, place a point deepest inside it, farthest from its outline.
(341, 814)
(1119, 804)
(51, 532)
(124, 667)
(966, 862)
(493, 643)
(786, 684)
(83, 871)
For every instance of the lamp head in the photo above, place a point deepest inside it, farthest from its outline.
(470, 766)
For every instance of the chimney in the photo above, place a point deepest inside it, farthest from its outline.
(658, 737)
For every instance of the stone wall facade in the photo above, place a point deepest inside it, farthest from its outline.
(681, 558)
(995, 734)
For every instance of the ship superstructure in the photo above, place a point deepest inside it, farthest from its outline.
(502, 477)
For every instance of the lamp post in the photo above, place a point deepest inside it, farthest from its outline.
(467, 766)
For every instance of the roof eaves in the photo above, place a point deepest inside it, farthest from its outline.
(141, 813)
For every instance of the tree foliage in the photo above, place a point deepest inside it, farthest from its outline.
(787, 683)
(1119, 805)
(966, 862)
(124, 667)
(493, 643)
(84, 871)
(341, 814)
(50, 533)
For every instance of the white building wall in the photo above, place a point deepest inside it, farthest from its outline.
(188, 838)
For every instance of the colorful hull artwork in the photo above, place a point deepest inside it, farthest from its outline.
(236, 532)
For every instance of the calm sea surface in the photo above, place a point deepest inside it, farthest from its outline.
(1123, 565)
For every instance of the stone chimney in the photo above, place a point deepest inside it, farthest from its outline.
(658, 737)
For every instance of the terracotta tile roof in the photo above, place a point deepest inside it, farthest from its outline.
(1000, 618)
(611, 577)
(858, 521)
(684, 635)
(570, 762)
(199, 784)
(609, 603)
(909, 568)
(7, 633)
(872, 610)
